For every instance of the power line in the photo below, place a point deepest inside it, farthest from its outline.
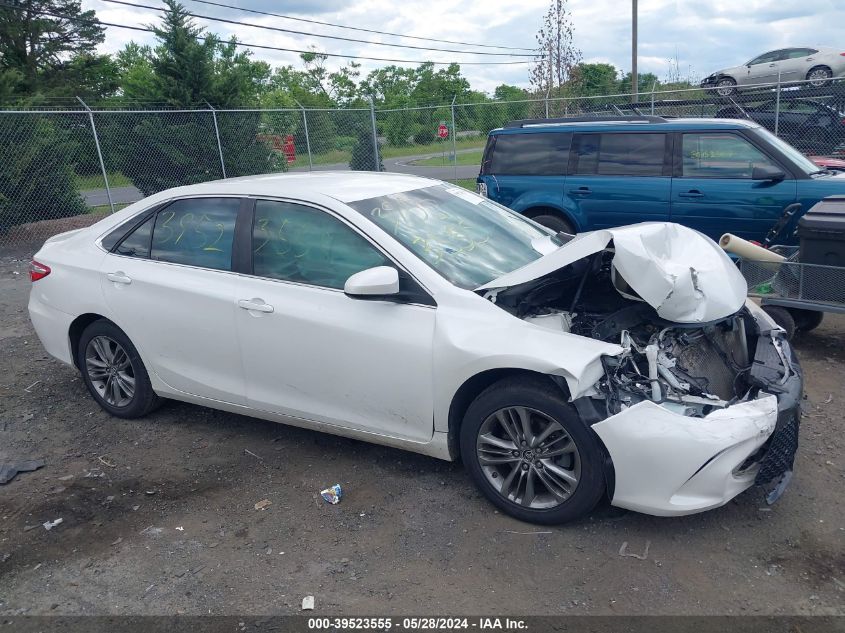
(357, 28)
(331, 37)
(263, 46)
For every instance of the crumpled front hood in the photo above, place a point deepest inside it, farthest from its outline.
(681, 273)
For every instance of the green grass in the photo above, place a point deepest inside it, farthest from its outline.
(466, 183)
(431, 148)
(468, 158)
(95, 181)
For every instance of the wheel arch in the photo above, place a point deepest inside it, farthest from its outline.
(812, 68)
(538, 210)
(474, 385)
(77, 327)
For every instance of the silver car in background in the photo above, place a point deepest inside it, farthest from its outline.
(814, 64)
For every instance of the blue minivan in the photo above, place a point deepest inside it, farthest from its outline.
(714, 175)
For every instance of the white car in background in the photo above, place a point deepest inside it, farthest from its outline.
(409, 312)
(813, 64)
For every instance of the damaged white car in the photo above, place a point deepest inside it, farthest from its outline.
(404, 311)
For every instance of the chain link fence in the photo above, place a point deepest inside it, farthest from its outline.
(65, 169)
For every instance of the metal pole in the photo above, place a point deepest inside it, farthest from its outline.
(777, 105)
(454, 141)
(375, 134)
(652, 96)
(547, 102)
(217, 134)
(99, 152)
(307, 138)
(634, 75)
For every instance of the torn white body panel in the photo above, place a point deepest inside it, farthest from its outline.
(681, 273)
(670, 465)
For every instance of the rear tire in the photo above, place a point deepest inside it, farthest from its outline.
(819, 76)
(558, 455)
(556, 223)
(113, 371)
(783, 318)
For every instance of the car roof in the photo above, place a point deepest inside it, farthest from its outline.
(345, 186)
(623, 125)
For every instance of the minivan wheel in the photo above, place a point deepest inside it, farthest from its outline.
(530, 454)
(113, 371)
(555, 222)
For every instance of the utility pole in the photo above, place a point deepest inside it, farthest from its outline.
(634, 75)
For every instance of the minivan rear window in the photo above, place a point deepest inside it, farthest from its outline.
(632, 154)
(530, 154)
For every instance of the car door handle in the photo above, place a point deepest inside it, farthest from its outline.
(581, 191)
(256, 305)
(693, 193)
(119, 277)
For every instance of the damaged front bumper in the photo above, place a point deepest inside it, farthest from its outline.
(668, 464)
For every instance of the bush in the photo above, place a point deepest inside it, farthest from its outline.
(362, 154)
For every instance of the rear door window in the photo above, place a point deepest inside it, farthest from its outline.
(530, 154)
(197, 232)
(620, 154)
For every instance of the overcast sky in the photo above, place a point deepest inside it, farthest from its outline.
(704, 35)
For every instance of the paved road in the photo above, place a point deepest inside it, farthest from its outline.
(402, 165)
(120, 195)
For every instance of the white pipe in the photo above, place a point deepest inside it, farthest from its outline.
(745, 249)
(651, 355)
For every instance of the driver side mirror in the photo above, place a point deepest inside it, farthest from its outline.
(767, 172)
(373, 283)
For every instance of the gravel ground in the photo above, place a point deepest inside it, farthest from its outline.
(158, 516)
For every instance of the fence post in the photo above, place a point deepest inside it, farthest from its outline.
(652, 96)
(777, 105)
(99, 152)
(454, 140)
(375, 134)
(547, 102)
(307, 138)
(217, 134)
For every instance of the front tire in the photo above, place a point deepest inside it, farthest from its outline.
(726, 87)
(530, 454)
(113, 371)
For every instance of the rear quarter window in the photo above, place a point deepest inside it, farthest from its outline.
(529, 154)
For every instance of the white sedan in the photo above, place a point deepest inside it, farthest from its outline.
(408, 312)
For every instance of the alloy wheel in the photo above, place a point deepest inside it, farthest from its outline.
(110, 371)
(528, 457)
(818, 77)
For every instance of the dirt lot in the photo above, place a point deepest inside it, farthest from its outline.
(159, 518)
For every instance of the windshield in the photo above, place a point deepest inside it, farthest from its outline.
(798, 159)
(464, 237)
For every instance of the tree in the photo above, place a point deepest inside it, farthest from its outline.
(188, 68)
(556, 51)
(645, 82)
(595, 79)
(34, 158)
(50, 51)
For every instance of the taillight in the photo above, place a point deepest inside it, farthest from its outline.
(37, 270)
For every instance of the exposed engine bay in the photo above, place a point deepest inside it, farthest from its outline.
(692, 369)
